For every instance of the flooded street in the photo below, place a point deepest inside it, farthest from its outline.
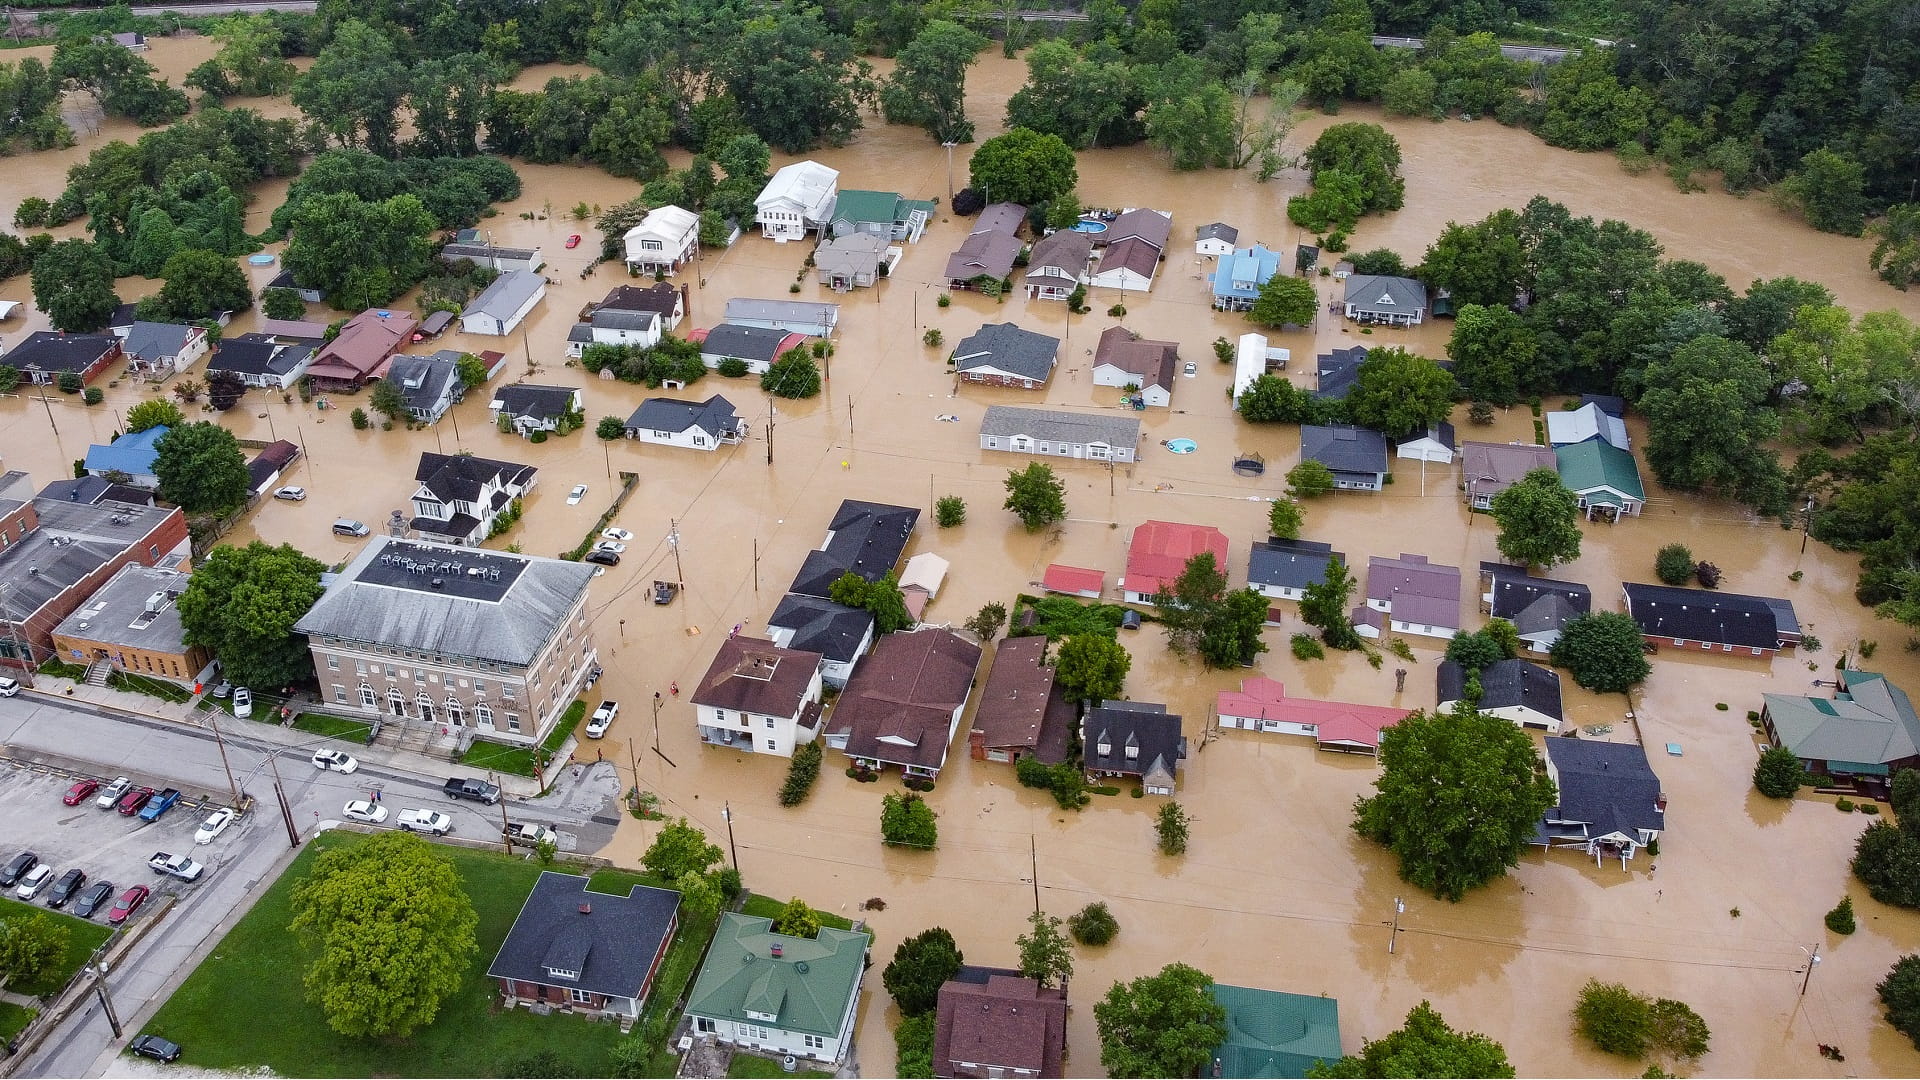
(1276, 891)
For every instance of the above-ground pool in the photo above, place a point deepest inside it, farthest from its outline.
(1182, 446)
(260, 260)
(1086, 225)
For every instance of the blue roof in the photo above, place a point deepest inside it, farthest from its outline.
(1241, 274)
(132, 453)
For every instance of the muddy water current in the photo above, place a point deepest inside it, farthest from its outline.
(1276, 890)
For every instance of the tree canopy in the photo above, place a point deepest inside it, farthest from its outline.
(921, 965)
(1285, 300)
(1160, 1025)
(1092, 666)
(1045, 953)
(1036, 496)
(1539, 520)
(907, 821)
(1604, 651)
(1424, 1046)
(1024, 167)
(680, 848)
(198, 285)
(1399, 393)
(929, 82)
(201, 469)
(73, 284)
(242, 604)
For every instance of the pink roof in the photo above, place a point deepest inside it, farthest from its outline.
(1161, 549)
(1335, 721)
(1073, 579)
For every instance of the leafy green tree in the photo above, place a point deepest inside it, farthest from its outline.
(1024, 167)
(1492, 351)
(796, 83)
(1045, 953)
(1036, 496)
(1191, 601)
(1706, 407)
(1673, 564)
(73, 284)
(1309, 480)
(69, 382)
(389, 400)
(1457, 798)
(913, 1047)
(1896, 247)
(471, 369)
(699, 896)
(794, 375)
(283, 304)
(797, 919)
(122, 81)
(391, 930)
(1093, 924)
(1588, 108)
(1170, 828)
(1285, 300)
(929, 83)
(1484, 263)
(201, 469)
(1830, 189)
(1886, 859)
(1398, 393)
(1767, 309)
(1539, 520)
(200, 285)
(355, 87)
(1381, 261)
(1231, 638)
(1091, 666)
(802, 771)
(30, 945)
(1272, 399)
(1503, 634)
(1900, 995)
(950, 510)
(610, 428)
(907, 821)
(987, 622)
(155, 240)
(360, 252)
(1085, 101)
(1285, 518)
(882, 599)
(153, 412)
(1190, 114)
(1614, 1018)
(242, 603)
(33, 123)
(1604, 651)
(1840, 920)
(1160, 1025)
(1336, 203)
(1324, 606)
(1474, 652)
(1424, 1046)
(1367, 153)
(921, 965)
(680, 848)
(1678, 1030)
(1410, 92)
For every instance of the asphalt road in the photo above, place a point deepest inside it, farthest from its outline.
(248, 856)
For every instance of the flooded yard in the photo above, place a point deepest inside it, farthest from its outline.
(1276, 890)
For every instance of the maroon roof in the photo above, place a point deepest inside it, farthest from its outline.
(753, 675)
(900, 702)
(1151, 361)
(990, 1018)
(365, 343)
(1019, 706)
(659, 297)
(1133, 253)
(989, 253)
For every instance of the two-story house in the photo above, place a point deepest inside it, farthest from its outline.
(158, 351)
(458, 496)
(430, 384)
(903, 704)
(1057, 265)
(665, 239)
(1134, 738)
(779, 994)
(758, 697)
(594, 953)
(888, 215)
(1239, 276)
(798, 199)
(1611, 803)
(992, 1022)
(840, 634)
(1409, 595)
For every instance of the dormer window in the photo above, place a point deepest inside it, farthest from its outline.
(1106, 747)
(1133, 750)
(559, 973)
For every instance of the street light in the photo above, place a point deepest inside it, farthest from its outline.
(1813, 961)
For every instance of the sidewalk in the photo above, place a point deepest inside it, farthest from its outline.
(190, 714)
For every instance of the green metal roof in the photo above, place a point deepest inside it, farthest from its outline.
(875, 207)
(1271, 1034)
(1589, 467)
(1869, 724)
(806, 989)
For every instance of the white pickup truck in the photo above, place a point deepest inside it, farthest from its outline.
(530, 834)
(179, 866)
(426, 821)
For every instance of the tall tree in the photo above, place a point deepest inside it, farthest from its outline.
(1085, 101)
(1092, 666)
(1539, 520)
(1483, 263)
(73, 284)
(1045, 953)
(1369, 154)
(1036, 496)
(355, 88)
(1896, 248)
(1604, 651)
(1493, 353)
(1231, 638)
(1285, 518)
(680, 848)
(1900, 995)
(122, 81)
(199, 285)
(31, 944)
(1424, 1046)
(361, 253)
(1830, 189)
(907, 821)
(392, 933)
(1457, 800)
(1324, 606)
(1023, 167)
(1160, 1025)
(1285, 300)
(798, 85)
(242, 603)
(1706, 409)
(1398, 393)
(921, 965)
(928, 87)
(153, 412)
(1188, 605)
(201, 469)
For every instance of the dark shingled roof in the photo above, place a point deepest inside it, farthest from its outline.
(715, 415)
(537, 402)
(835, 631)
(1505, 684)
(1293, 564)
(1532, 604)
(997, 1018)
(761, 343)
(1338, 371)
(1699, 615)
(1344, 448)
(867, 539)
(1008, 348)
(1151, 728)
(610, 940)
(900, 702)
(1608, 785)
(459, 476)
(50, 350)
(750, 674)
(1020, 706)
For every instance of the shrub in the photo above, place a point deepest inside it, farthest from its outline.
(1778, 773)
(93, 395)
(1614, 1018)
(933, 337)
(1843, 804)
(537, 437)
(1065, 781)
(1223, 350)
(950, 510)
(944, 300)
(1840, 919)
(1674, 564)
(1093, 924)
(801, 774)
(1307, 647)
(1117, 311)
(359, 418)
(1870, 808)
(1720, 705)
(610, 428)
(1707, 574)
(1171, 828)
(1480, 412)
(732, 367)
(69, 382)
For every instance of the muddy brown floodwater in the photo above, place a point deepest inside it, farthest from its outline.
(1276, 890)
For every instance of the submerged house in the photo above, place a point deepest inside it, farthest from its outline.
(1136, 739)
(1537, 607)
(1710, 621)
(1262, 704)
(1865, 732)
(1611, 803)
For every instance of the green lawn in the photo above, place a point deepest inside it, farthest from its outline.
(141, 684)
(333, 727)
(751, 1066)
(83, 938)
(256, 972)
(13, 1020)
(769, 908)
(518, 760)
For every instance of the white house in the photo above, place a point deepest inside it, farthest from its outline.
(158, 351)
(1134, 244)
(696, 425)
(458, 496)
(258, 360)
(758, 697)
(800, 197)
(1611, 803)
(610, 326)
(1123, 359)
(480, 253)
(665, 239)
(1102, 436)
(1514, 690)
(840, 634)
(1252, 359)
(776, 994)
(1057, 264)
(1436, 444)
(1215, 241)
(807, 317)
(500, 307)
(527, 408)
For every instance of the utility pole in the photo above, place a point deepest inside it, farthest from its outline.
(673, 541)
(1806, 523)
(726, 812)
(849, 416)
(1813, 960)
(286, 808)
(949, 148)
(1399, 909)
(106, 1001)
(1033, 856)
(506, 838)
(656, 723)
(756, 567)
(769, 432)
(222, 744)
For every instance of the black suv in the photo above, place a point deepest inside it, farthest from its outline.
(603, 557)
(21, 863)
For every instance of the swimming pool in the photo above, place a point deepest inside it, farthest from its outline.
(1182, 446)
(262, 259)
(1087, 225)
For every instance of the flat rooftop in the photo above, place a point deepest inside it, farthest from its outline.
(470, 573)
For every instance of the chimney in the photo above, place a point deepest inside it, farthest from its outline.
(586, 909)
(775, 950)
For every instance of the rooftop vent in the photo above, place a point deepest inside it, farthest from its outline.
(775, 950)
(438, 583)
(586, 909)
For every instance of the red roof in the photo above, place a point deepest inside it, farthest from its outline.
(1262, 698)
(1161, 549)
(1073, 579)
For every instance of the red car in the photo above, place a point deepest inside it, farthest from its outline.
(128, 903)
(132, 802)
(78, 793)
(573, 241)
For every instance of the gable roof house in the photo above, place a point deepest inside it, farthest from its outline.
(45, 354)
(1134, 738)
(1516, 690)
(259, 360)
(1002, 354)
(1409, 595)
(1057, 265)
(920, 581)
(779, 994)
(1074, 581)
(1384, 300)
(799, 197)
(157, 351)
(665, 239)
(132, 453)
(1866, 731)
(501, 306)
(1589, 421)
(992, 1022)
(863, 538)
(903, 704)
(459, 496)
(1215, 240)
(1335, 372)
(1271, 1034)
(1538, 608)
(1124, 359)
(808, 317)
(132, 41)
(362, 346)
(1262, 704)
(585, 952)
(1130, 249)
(1703, 620)
(275, 458)
(668, 301)
(884, 214)
(840, 634)
(1436, 444)
(1487, 469)
(1604, 478)
(756, 346)
(854, 261)
(285, 280)
(629, 315)
(1159, 552)
(1356, 456)
(528, 407)
(984, 254)
(430, 384)
(1240, 274)
(1282, 569)
(292, 331)
(1022, 713)
(696, 425)
(1611, 803)
(758, 697)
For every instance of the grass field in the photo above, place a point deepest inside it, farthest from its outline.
(518, 760)
(13, 1020)
(750, 1066)
(769, 908)
(256, 972)
(83, 938)
(333, 727)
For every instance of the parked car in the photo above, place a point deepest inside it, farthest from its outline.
(179, 866)
(615, 546)
(1190, 370)
(291, 494)
(91, 898)
(665, 591)
(472, 789)
(33, 881)
(573, 241)
(155, 1047)
(427, 821)
(349, 527)
(363, 811)
(530, 834)
(602, 719)
(621, 535)
(128, 903)
(18, 868)
(110, 794)
(159, 804)
(132, 802)
(70, 883)
(78, 793)
(334, 761)
(242, 702)
(603, 557)
(222, 690)
(9, 687)
(579, 492)
(215, 824)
